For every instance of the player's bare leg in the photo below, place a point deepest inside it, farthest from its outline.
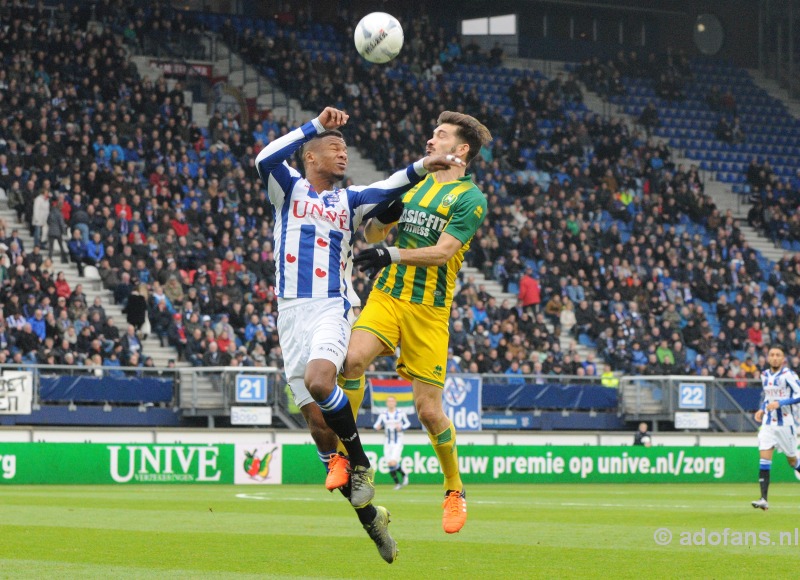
(442, 433)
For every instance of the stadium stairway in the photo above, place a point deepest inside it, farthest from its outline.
(153, 73)
(775, 89)
(206, 399)
(720, 192)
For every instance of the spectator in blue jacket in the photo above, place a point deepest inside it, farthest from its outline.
(38, 324)
(77, 250)
(95, 251)
(113, 363)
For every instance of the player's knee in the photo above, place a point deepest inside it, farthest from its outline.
(354, 366)
(428, 415)
(319, 385)
(317, 390)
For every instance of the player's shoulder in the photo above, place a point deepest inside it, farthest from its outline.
(472, 199)
(472, 192)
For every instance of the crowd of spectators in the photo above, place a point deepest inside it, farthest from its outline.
(94, 154)
(669, 73)
(592, 227)
(775, 202)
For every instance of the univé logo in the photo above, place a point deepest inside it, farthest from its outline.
(164, 463)
(257, 467)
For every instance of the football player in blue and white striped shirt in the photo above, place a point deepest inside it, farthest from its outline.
(778, 425)
(314, 226)
(394, 422)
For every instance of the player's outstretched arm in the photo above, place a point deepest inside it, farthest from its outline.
(374, 200)
(373, 260)
(270, 162)
(381, 224)
(434, 163)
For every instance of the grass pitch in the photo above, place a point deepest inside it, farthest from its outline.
(513, 531)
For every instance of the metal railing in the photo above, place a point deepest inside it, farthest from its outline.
(660, 397)
(212, 391)
(276, 100)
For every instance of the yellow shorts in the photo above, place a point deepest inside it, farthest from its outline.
(421, 331)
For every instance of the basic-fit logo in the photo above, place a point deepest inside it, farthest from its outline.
(455, 391)
(257, 467)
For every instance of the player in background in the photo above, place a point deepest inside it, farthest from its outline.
(410, 302)
(394, 422)
(314, 225)
(642, 436)
(778, 425)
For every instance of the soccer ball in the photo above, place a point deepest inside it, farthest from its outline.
(378, 37)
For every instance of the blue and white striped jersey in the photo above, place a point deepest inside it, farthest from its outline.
(394, 422)
(784, 386)
(314, 230)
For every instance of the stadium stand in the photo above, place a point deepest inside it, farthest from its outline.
(594, 209)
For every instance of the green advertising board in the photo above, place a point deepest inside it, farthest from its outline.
(567, 464)
(88, 463)
(93, 463)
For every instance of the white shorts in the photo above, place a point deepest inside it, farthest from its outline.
(310, 329)
(392, 452)
(781, 437)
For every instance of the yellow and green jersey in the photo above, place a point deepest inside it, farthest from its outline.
(457, 207)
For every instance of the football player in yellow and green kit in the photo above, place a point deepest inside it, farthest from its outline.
(409, 305)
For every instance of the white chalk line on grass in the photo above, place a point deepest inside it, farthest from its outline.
(268, 496)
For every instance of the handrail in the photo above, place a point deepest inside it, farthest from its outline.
(742, 411)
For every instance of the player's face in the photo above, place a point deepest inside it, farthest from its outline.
(775, 358)
(391, 403)
(446, 142)
(329, 157)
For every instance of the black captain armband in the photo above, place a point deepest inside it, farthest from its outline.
(391, 214)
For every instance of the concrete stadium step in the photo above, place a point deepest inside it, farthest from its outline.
(775, 89)
(719, 192)
(146, 70)
(761, 243)
(197, 391)
(92, 288)
(725, 199)
(200, 114)
(639, 401)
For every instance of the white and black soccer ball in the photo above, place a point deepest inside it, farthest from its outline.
(378, 37)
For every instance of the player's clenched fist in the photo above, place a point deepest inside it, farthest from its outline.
(332, 118)
(372, 260)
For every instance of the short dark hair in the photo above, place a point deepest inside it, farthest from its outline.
(330, 133)
(470, 130)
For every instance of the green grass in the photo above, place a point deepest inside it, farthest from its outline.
(513, 531)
